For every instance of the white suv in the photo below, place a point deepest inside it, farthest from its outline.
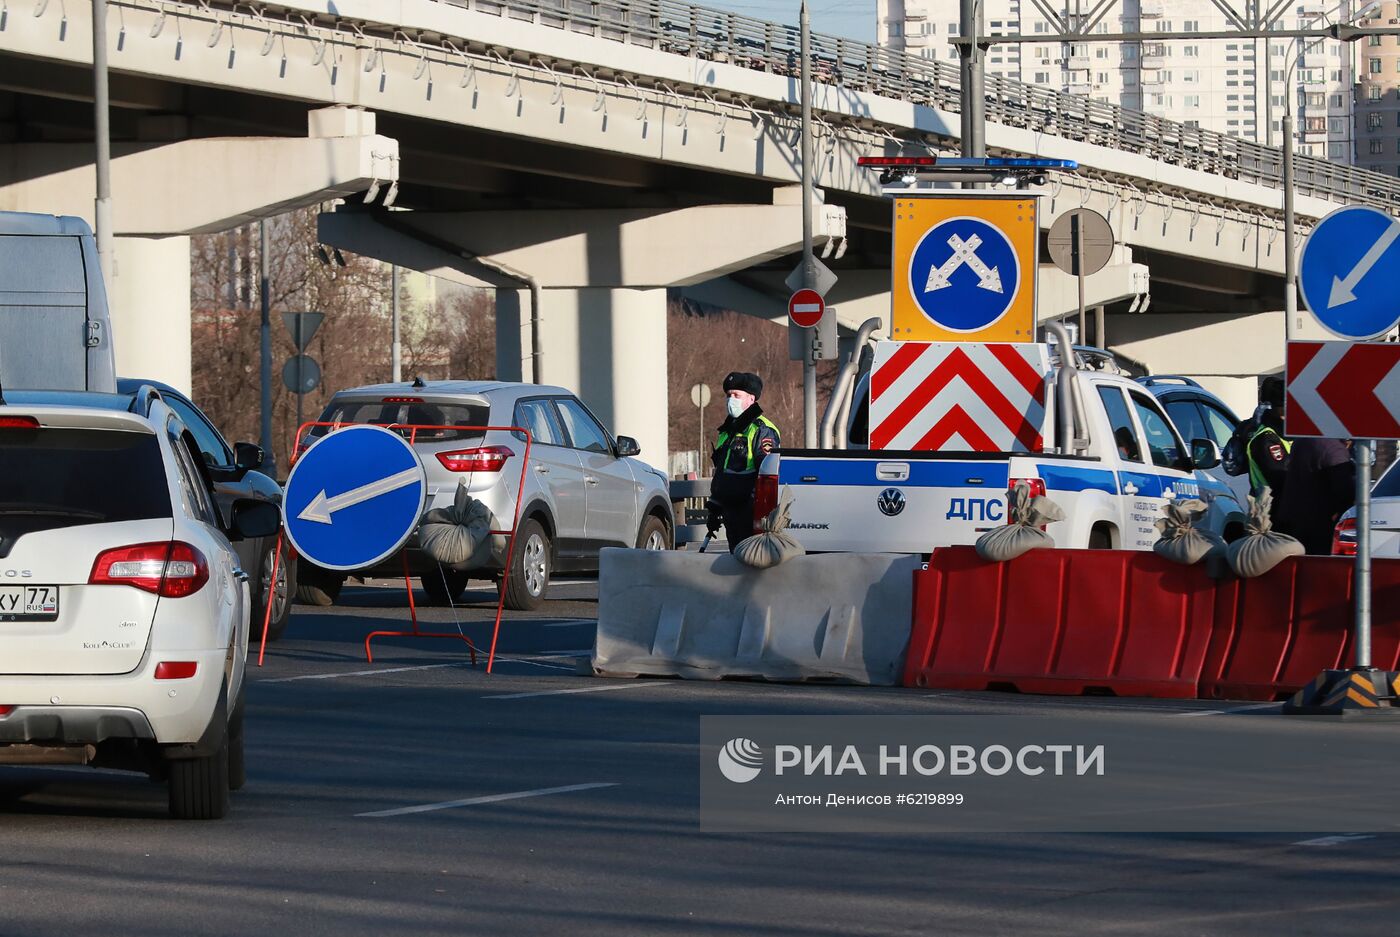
(123, 610)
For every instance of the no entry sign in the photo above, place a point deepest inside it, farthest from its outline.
(805, 308)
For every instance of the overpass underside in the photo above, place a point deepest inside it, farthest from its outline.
(603, 190)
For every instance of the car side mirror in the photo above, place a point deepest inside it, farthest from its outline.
(254, 519)
(247, 457)
(1205, 454)
(627, 446)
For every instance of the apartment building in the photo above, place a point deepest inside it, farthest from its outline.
(1231, 86)
(1378, 94)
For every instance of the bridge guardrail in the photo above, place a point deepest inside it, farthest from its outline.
(748, 42)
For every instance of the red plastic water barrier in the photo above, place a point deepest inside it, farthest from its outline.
(1061, 622)
(1274, 634)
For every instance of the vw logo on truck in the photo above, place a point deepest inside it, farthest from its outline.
(890, 502)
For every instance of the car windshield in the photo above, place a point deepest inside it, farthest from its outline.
(402, 412)
(64, 477)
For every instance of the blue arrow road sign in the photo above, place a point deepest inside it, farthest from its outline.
(964, 274)
(354, 497)
(1349, 271)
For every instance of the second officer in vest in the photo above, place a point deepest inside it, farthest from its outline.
(745, 437)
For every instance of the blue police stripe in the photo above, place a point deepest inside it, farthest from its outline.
(930, 474)
(1073, 478)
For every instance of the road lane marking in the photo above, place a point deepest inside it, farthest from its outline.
(1223, 712)
(488, 799)
(580, 689)
(362, 673)
(569, 622)
(1335, 840)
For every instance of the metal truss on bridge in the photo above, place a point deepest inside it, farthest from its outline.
(743, 41)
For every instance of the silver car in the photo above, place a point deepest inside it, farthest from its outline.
(583, 490)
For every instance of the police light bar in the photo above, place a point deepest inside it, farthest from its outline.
(965, 162)
(1021, 171)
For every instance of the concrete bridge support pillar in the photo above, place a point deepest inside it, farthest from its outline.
(607, 344)
(150, 302)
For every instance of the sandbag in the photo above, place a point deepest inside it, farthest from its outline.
(1021, 533)
(459, 535)
(1263, 548)
(771, 546)
(1181, 541)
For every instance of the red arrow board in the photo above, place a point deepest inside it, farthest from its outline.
(958, 397)
(1343, 390)
(805, 308)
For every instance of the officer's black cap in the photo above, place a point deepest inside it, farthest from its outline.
(748, 382)
(1271, 390)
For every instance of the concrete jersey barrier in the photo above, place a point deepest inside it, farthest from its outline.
(841, 617)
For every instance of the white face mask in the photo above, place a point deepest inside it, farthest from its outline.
(736, 407)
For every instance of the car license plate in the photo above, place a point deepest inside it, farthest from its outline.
(28, 603)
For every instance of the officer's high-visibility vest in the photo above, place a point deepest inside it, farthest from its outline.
(1257, 481)
(750, 433)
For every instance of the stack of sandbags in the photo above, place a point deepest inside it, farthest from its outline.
(1025, 516)
(1182, 541)
(1264, 548)
(459, 535)
(772, 545)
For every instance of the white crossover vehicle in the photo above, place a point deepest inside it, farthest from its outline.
(123, 610)
(585, 489)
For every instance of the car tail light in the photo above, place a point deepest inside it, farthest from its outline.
(402, 400)
(1344, 538)
(765, 498)
(483, 459)
(173, 569)
(176, 669)
(1037, 485)
(5, 711)
(18, 422)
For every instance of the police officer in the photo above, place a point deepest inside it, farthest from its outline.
(1268, 449)
(745, 437)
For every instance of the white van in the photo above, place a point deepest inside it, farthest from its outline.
(55, 331)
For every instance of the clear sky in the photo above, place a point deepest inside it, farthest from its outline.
(851, 19)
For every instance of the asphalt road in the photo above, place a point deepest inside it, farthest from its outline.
(333, 834)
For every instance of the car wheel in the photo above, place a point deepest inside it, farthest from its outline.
(237, 765)
(199, 787)
(1100, 539)
(281, 595)
(530, 568)
(316, 586)
(444, 586)
(653, 535)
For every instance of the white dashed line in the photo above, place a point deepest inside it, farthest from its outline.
(488, 799)
(1224, 712)
(580, 689)
(1335, 840)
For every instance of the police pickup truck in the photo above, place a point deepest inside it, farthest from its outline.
(1111, 460)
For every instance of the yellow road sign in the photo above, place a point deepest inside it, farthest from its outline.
(965, 268)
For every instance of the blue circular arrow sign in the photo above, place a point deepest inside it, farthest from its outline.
(354, 497)
(1348, 273)
(964, 274)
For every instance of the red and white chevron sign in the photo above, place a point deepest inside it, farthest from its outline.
(964, 397)
(1343, 390)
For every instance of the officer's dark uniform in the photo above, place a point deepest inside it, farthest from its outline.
(742, 443)
(1268, 450)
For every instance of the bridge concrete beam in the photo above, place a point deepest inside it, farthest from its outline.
(199, 186)
(639, 248)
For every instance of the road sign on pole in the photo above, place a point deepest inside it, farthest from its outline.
(1080, 243)
(1343, 390)
(965, 268)
(302, 326)
(354, 497)
(805, 308)
(1350, 265)
(1349, 390)
(700, 396)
